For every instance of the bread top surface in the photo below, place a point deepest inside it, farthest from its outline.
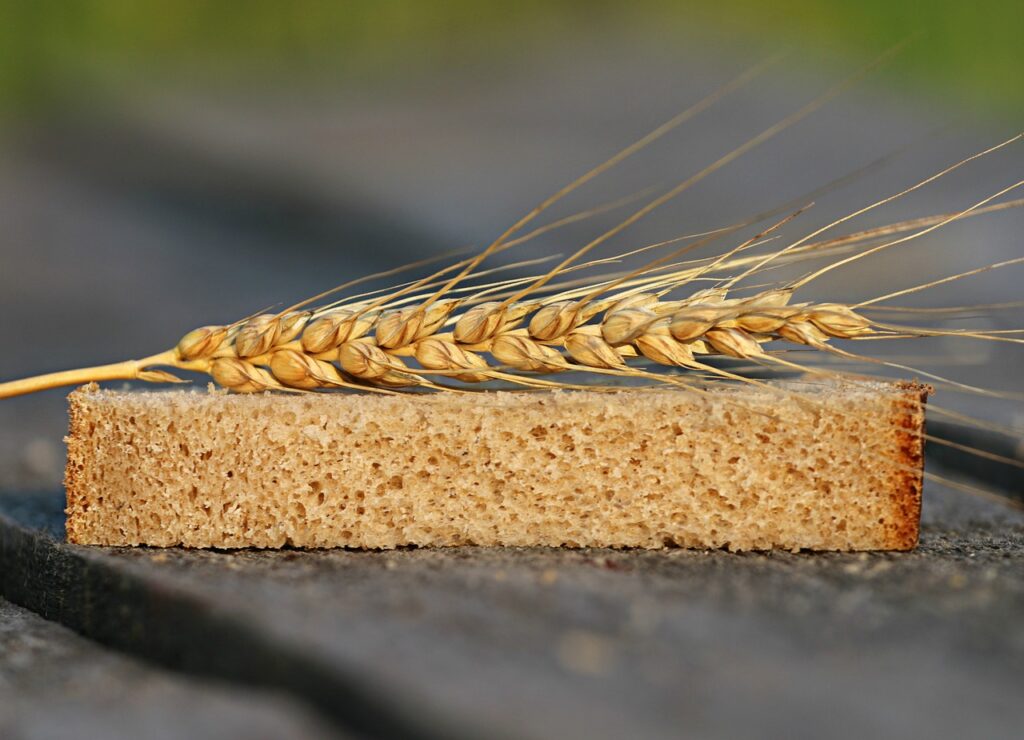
(776, 392)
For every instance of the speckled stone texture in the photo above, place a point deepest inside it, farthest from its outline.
(535, 643)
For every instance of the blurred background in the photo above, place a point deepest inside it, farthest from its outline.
(170, 164)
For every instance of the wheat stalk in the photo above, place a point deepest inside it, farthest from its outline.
(349, 346)
(601, 326)
(425, 333)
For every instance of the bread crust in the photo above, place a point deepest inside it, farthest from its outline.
(909, 484)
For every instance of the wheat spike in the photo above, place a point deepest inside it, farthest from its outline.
(344, 347)
(425, 333)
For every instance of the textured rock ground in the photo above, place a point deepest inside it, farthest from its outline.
(56, 684)
(536, 643)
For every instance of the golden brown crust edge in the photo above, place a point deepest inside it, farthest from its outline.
(909, 422)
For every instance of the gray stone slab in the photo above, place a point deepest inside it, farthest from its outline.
(541, 643)
(55, 684)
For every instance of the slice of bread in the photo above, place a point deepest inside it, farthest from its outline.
(819, 467)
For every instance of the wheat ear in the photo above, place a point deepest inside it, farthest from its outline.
(474, 340)
(540, 326)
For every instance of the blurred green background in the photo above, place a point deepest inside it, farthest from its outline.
(52, 51)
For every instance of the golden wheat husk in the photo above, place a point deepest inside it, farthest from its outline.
(474, 340)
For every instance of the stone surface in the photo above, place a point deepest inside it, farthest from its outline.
(55, 684)
(541, 643)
